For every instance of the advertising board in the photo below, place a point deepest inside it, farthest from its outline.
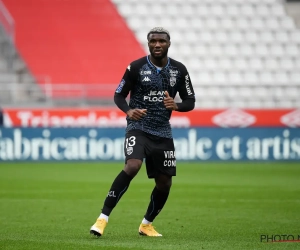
(112, 117)
(192, 144)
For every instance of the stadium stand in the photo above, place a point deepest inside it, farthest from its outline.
(80, 45)
(239, 53)
(16, 82)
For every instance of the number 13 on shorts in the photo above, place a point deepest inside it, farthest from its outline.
(129, 144)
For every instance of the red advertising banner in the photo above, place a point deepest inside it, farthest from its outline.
(112, 117)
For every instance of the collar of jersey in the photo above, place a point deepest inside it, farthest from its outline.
(158, 70)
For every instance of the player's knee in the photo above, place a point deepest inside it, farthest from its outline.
(163, 183)
(132, 167)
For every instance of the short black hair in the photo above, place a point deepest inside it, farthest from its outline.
(159, 30)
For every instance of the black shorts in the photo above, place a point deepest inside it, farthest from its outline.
(159, 152)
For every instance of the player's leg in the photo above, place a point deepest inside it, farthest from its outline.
(120, 185)
(161, 165)
(158, 199)
(159, 196)
(134, 154)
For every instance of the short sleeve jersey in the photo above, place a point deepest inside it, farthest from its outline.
(147, 85)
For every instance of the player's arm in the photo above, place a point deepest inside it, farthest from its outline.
(134, 114)
(186, 93)
(184, 106)
(122, 92)
(121, 102)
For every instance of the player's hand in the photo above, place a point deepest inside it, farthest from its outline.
(136, 114)
(169, 102)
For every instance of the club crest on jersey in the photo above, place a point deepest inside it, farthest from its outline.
(172, 81)
(129, 150)
(173, 72)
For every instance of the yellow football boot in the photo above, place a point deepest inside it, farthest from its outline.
(98, 228)
(148, 230)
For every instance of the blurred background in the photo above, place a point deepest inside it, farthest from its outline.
(239, 53)
(61, 60)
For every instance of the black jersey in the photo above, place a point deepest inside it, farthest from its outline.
(147, 84)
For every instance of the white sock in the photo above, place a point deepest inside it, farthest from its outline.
(103, 216)
(144, 221)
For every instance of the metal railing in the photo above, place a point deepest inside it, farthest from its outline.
(7, 35)
(82, 95)
(47, 94)
(7, 22)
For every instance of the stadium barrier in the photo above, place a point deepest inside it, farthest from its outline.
(113, 117)
(192, 144)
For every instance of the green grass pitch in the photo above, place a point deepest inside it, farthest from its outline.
(211, 206)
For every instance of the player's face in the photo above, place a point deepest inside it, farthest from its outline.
(158, 45)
